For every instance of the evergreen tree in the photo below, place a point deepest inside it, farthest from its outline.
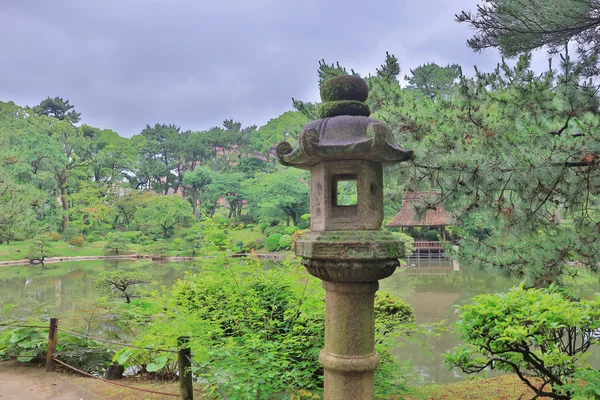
(433, 80)
(58, 108)
(520, 26)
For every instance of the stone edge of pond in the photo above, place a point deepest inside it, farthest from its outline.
(52, 260)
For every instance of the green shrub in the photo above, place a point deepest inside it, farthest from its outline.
(77, 241)
(262, 226)
(289, 230)
(272, 243)
(285, 242)
(258, 327)
(391, 312)
(540, 333)
(116, 243)
(237, 246)
(219, 239)
(177, 244)
(280, 229)
(92, 237)
(53, 236)
(431, 235)
(135, 237)
(69, 234)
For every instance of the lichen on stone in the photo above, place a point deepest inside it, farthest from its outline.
(343, 107)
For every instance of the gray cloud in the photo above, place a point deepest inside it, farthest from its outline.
(128, 63)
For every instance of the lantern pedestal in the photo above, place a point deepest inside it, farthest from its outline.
(350, 263)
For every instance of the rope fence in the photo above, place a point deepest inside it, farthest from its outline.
(184, 359)
(25, 326)
(112, 382)
(115, 343)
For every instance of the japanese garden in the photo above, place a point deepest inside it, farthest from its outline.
(417, 234)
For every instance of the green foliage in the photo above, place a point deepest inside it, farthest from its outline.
(542, 333)
(53, 236)
(272, 243)
(116, 243)
(120, 284)
(434, 81)
(164, 214)
(260, 328)
(27, 343)
(160, 248)
(77, 241)
(39, 248)
(57, 108)
(521, 26)
(285, 242)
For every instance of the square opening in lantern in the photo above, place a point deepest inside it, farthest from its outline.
(345, 191)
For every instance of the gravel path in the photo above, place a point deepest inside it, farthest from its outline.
(19, 382)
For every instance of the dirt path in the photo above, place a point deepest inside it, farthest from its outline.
(19, 382)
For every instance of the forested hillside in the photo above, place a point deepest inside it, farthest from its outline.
(513, 154)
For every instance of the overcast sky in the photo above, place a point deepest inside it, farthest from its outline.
(194, 63)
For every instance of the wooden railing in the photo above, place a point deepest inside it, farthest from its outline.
(427, 245)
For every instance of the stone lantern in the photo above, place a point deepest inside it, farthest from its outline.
(345, 151)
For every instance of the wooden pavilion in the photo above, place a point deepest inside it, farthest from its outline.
(433, 217)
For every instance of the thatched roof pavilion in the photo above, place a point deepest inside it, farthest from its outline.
(407, 217)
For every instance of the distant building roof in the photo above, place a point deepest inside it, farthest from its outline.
(407, 216)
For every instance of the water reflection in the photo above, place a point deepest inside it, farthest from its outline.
(433, 287)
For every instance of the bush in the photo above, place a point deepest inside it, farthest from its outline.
(237, 246)
(219, 239)
(280, 229)
(69, 234)
(77, 241)
(540, 333)
(259, 328)
(289, 230)
(431, 235)
(285, 242)
(391, 312)
(259, 243)
(92, 237)
(272, 243)
(177, 244)
(53, 236)
(135, 237)
(262, 226)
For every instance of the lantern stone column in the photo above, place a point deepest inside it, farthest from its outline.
(346, 248)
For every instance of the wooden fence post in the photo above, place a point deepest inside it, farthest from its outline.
(51, 344)
(184, 356)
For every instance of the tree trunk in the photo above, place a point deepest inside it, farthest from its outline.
(114, 372)
(195, 204)
(64, 199)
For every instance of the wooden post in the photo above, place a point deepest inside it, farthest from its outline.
(184, 356)
(51, 344)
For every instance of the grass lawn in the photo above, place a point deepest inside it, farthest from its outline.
(19, 250)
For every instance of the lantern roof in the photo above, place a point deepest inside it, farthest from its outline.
(345, 131)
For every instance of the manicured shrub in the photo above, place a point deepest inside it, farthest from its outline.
(70, 233)
(53, 236)
(289, 230)
(135, 237)
(431, 235)
(77, 241)
(539, 334)
(285, 242)
(272, 243)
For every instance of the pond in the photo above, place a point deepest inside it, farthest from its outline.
(433, 287)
